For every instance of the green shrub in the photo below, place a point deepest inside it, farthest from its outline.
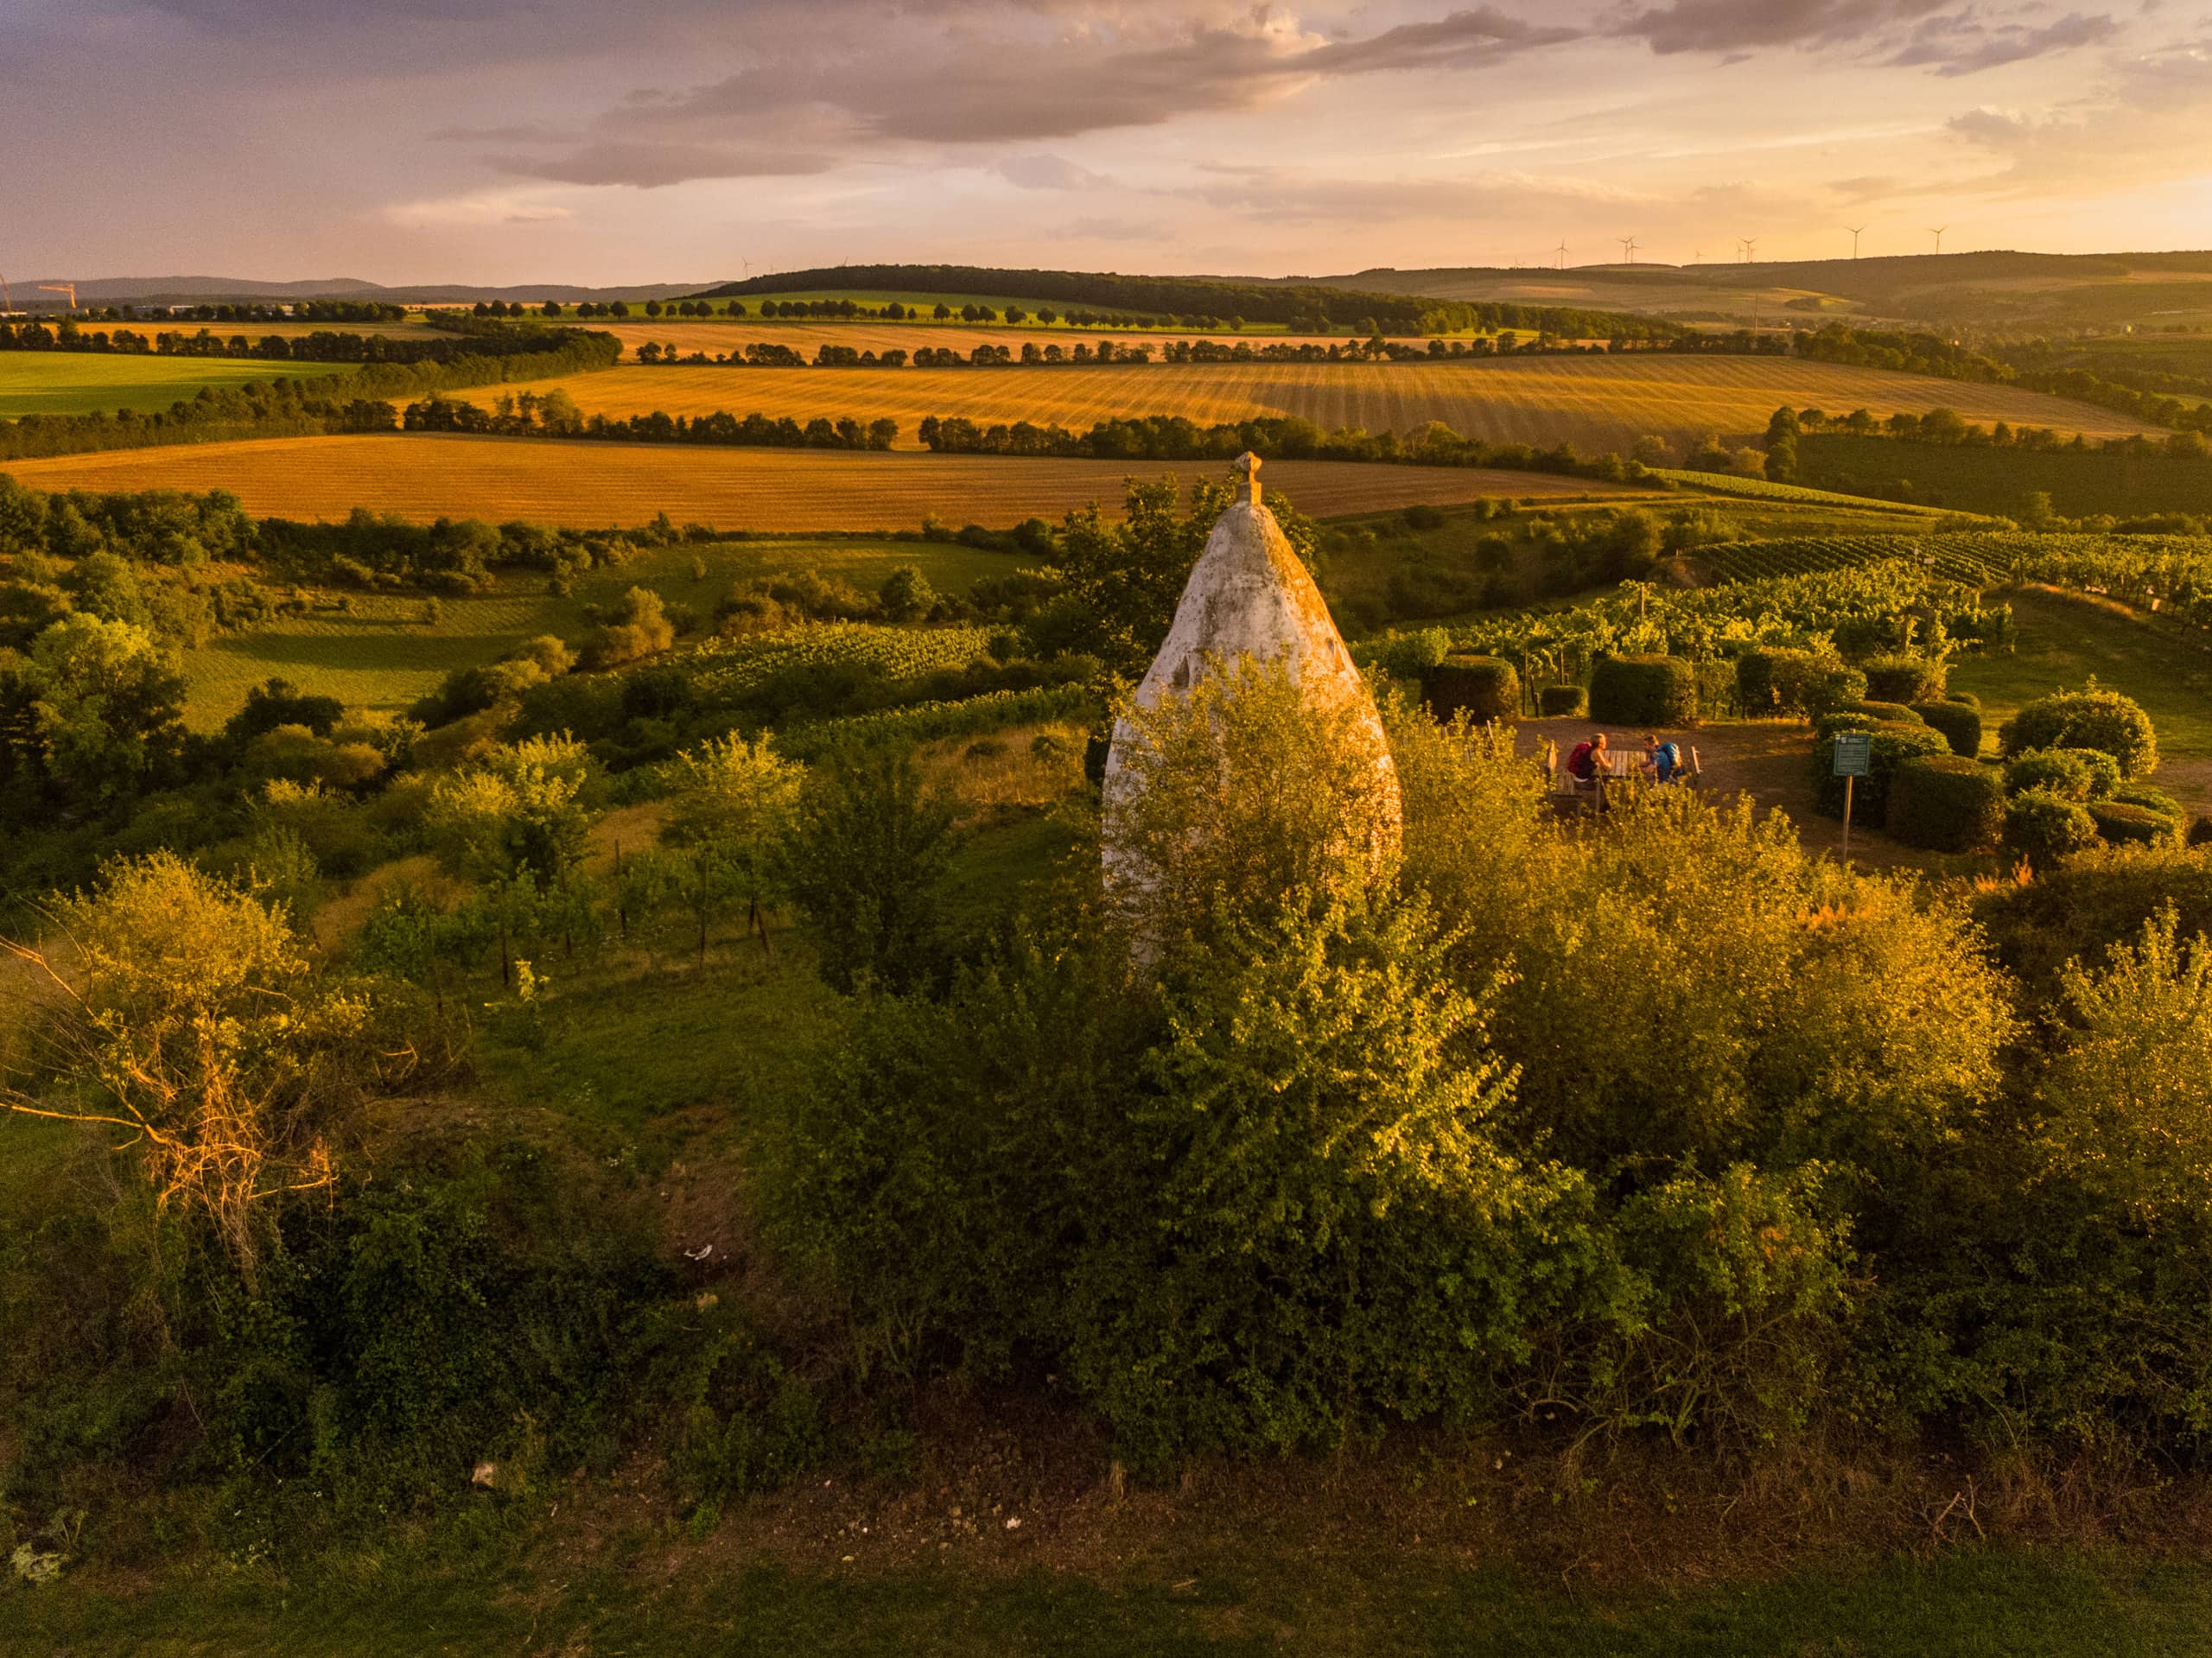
(1716, 686)
(2117, 821)
(2045, 828)
(2200, 831)
(1483, 688)
(2099, 901)
(1772, 681)
(2153, 799)
(1646, 690)
(1960, 724)
(1839, 686)
(1892, 713)
(1903, 678)
(2077, 774)
(2086, 719)
(1947, 803)
(1964, 699)
(1558, 700)
(1894, 743)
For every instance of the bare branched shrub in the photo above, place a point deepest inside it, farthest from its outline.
(184, 1012)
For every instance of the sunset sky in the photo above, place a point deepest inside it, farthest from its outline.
(499, 141)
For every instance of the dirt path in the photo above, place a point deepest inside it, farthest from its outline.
(1763, 759)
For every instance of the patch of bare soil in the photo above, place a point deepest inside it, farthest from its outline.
(1762, 760)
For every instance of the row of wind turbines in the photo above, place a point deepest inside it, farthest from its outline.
(1747, 247)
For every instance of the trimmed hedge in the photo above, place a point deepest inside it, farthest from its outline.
(2120, 821)
(2044, 828)
(1894, 743)
(2077, 774)
(1893, 713)
(2143, 794)
(1775, 680)
(2086, 719)
(1644, 691)
(1903, 678)
(1964, 699)
(1482, 688)
(2200, 831)
(1946, 803)
(1960, 724)
(1557, 700)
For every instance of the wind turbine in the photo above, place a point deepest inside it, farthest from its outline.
(1750, 250)
(1937, 232)
(1854, 229)
(1628, 246)
(1561, 250)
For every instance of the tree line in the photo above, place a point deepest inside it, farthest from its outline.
(322, 347)
(1300, 307)
(1915, 352)
(555, 415)
(1170, 437)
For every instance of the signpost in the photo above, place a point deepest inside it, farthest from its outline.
(1854, 758)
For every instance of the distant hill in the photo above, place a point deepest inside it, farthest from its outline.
(2001, 291)
(1208, 301)
(197, 290)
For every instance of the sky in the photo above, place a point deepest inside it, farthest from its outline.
(581, 141)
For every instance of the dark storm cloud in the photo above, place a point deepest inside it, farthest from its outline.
(1013, 90)
(1961, 44)
(1737, 25)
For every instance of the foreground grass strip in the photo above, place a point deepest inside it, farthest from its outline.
(1973, 1603)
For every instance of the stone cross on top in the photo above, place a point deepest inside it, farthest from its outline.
(1248, 464)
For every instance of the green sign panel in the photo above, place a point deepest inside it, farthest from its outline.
(1854, 754)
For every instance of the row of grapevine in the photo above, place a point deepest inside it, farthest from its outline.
(1973, 559)
(725, 671)
(922, 722)
(1861, 609)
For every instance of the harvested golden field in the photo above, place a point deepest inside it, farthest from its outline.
(606, 484)
(1597, 403)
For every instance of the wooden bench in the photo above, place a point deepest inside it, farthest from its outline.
(1617, 765)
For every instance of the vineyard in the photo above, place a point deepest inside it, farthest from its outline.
(1970, 559)
(424, 478)
(1597, 403)
(1864, 608)
(723, 671)
(1763, 489)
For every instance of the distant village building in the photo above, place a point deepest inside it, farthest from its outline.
(1250, 595)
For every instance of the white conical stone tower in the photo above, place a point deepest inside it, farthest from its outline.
(1250, 595)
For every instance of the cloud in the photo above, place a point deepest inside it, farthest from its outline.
(648, 165)
(2146, 122)
(1043, 172)
(1961, 44)
(1739, 25)
(1008, 84)
(495, 206)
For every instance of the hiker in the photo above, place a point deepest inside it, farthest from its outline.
(1587, 757)
(1662, 761)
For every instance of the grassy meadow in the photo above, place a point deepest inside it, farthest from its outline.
(1595, 403)
(78, 382)
(581, 483)
(1984, 480)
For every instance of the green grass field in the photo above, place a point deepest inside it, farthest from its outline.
(2080, 483)
(2064, 640)
(76, 383)
(380, 655)
(1240, 1596)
